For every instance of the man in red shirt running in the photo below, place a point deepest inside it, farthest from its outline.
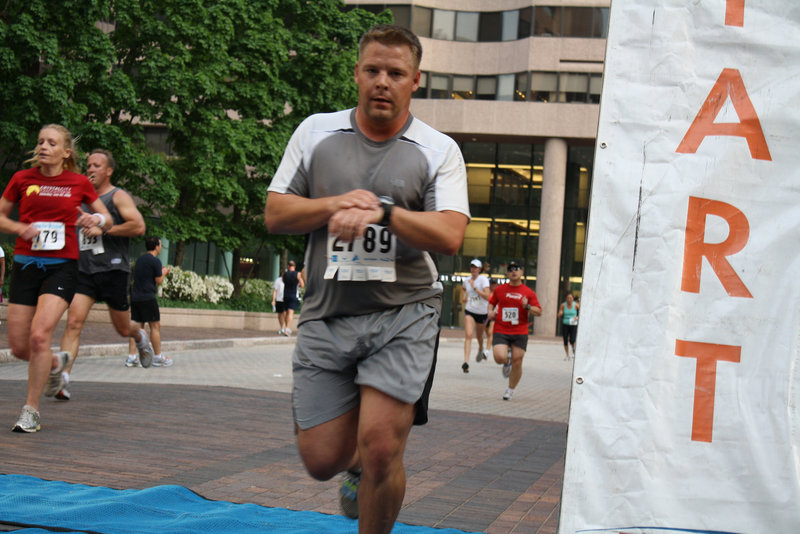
(511, 305)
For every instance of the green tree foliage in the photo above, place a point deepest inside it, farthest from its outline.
(228, 79)
(231, 80)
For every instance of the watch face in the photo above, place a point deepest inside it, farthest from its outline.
(386, 200)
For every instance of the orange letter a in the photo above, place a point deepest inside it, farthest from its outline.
(729, 84)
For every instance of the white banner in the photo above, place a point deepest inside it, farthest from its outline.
(684, 414)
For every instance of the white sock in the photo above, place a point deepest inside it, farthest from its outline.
(158, 356)
(132, 356)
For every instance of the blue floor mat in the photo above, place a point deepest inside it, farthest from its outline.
(48, 506)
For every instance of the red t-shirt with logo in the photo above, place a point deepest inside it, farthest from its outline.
(512, 317)
(54, 199)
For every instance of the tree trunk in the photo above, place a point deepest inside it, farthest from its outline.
(236, 275)
(180, 253)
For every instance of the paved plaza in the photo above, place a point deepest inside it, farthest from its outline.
(219, 423)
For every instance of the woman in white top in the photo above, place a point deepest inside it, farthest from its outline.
(476, 300)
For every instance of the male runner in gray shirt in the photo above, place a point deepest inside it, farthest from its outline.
(378, 191)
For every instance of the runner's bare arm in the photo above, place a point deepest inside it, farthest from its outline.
(285, 213)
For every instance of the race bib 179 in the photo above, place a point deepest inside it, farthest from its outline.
(51, 236)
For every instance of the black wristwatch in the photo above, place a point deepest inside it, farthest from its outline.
(387, 203)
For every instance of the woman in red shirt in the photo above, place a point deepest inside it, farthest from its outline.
(44, 275)
(512, 303)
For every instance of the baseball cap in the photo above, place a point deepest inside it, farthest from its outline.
(512, 264)
(476, 263)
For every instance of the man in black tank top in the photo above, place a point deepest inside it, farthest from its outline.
(104, 265)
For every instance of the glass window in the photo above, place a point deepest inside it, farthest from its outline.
(479, 152)
(514, 154)
(505, 87)
(372, 8)
(443, 24)
(440, 86)
(422, 91)
(573, 87)
(421, 21)
(544, 86)
(491, 26)
(463, 87)
(547, 21)
(467, 26)
(475, 239)
(510, 25)
(156, 139)
(521, 86)
(600, 22)
(487, 87)
(525, 19)
(402, 15)
(479, 183)
(577, 21)
(595, 87)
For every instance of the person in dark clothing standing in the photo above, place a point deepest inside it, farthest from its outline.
(292, 280)
(147, 274)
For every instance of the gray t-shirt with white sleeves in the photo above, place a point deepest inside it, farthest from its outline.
(420, 168)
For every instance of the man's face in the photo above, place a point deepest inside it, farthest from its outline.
(98, 171)
(386, 77)
(514, 274)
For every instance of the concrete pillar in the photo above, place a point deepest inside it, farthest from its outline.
(554, 181)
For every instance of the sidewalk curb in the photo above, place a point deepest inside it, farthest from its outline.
(121, 349)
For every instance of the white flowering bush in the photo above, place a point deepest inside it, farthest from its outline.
(217, 288)
(260, 289)
(189, 287)
(183, 285)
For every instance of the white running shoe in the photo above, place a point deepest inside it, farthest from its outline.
(28, 421)
(64, 395)
(162, 361)
(145, 350)
(508, 394)
(507, 368)
(132, 361)
(55, 382)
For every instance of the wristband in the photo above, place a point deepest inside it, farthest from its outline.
(102, 219)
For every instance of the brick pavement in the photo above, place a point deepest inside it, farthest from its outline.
(473, 471)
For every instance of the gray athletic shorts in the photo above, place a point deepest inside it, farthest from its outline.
(392, 351)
